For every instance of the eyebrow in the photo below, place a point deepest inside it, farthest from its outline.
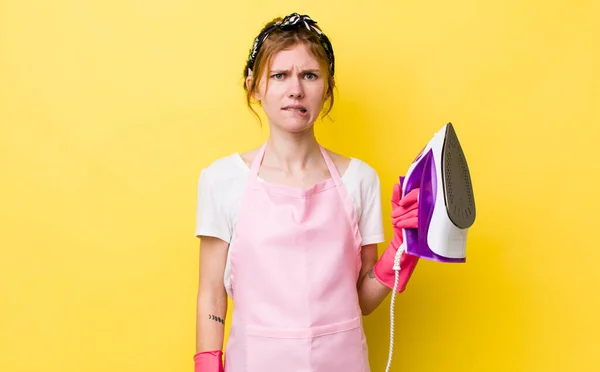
(313, 71)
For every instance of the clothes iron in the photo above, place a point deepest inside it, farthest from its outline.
(446, 207)
(446, 201)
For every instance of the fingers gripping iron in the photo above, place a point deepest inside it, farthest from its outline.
(446, 207)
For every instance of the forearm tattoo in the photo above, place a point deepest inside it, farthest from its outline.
(216, 319)
(371, 274)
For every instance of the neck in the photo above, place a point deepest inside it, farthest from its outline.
(292, 151)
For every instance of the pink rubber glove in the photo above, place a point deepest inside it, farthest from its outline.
(208, 361)
(404, 211)
(404, 215)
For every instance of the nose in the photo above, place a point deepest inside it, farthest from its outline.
(295, 89)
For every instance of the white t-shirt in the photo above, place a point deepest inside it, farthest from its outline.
(221, 186)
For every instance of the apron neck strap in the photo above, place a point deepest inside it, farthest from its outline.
(332, 168)
(257, 162)
(261, 153)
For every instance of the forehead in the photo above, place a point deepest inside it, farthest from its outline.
(298, 56)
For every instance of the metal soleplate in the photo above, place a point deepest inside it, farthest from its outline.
(458, 189)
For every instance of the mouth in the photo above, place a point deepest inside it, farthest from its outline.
(301, 110)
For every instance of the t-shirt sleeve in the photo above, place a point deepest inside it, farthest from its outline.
(370, 223)
(210, 217)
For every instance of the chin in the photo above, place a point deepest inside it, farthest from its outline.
(295, 126)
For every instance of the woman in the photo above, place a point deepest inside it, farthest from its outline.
(290, 230)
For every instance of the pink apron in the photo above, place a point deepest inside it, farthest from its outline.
(294, 271)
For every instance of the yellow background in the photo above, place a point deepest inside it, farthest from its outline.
(109, 110)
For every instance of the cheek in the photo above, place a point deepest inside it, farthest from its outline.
(275, 96)
(273, 92)
(264, 89)
(272, 102)
(319, 95)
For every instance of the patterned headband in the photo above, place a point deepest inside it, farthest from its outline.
(289, 22)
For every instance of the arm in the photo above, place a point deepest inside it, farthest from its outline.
(370, 291)
(379, 280)
(212, 300)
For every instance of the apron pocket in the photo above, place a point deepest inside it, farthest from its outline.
(340, 347)
(331, 348)
(274, 350)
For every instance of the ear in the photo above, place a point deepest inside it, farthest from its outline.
(248, 82)
(254, 94)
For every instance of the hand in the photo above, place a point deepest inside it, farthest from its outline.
(404, 216)
(405, 210)
(208, 361)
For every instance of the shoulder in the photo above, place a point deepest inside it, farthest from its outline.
(248, 156)
(362, 173)
(363, 185)
(224, 170)
(354, 171)
(220, 188)
(341, 162)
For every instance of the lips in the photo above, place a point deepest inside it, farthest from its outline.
(296, 108)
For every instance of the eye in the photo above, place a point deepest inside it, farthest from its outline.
(310, 76)
(278, 76)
